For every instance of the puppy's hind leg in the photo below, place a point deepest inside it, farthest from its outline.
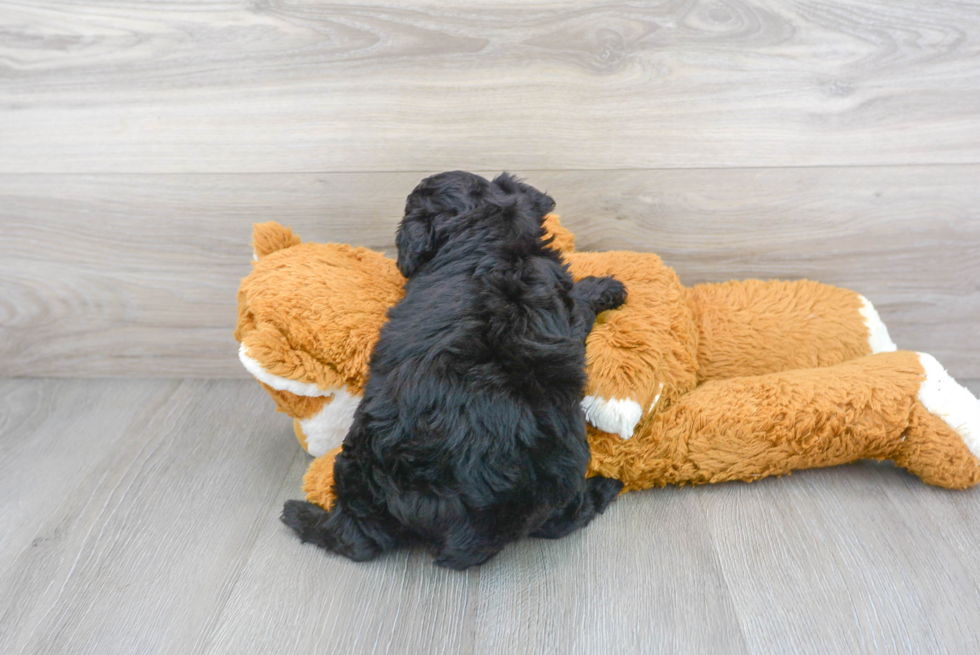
(465, 548)
(335, 530)
(584, 507)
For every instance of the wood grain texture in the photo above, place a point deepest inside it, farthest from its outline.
(166, 539)
(140, 556)
(293, 599)
(302, 86)
(566, 596)
(849, 557)
(52, 436)
(136, 275)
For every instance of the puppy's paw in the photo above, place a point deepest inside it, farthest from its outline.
(602, 293)
(603, 490)
(303, 518)
(462, 560)
(613, 295)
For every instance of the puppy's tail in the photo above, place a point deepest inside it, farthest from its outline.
(335, 530)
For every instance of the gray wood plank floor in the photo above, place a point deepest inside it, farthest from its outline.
(140, 516)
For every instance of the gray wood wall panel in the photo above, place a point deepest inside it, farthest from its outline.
(240, 86)
(136, 274)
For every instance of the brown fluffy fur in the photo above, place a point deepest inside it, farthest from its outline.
(754, 378)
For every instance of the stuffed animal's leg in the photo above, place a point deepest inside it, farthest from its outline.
(899, 406)
(591, 501)
(946, 415)
(753, 327)
(318, 480)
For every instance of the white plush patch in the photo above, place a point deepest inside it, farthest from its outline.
(615, 416)
(279, 383)
(326, 429)
(878, 337)
(950, 401)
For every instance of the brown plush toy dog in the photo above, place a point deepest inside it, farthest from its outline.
(716, 382)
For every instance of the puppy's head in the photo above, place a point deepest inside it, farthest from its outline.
(449, 203)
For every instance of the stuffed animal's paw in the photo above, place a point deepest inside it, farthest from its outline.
(952, 402)
(612, 415)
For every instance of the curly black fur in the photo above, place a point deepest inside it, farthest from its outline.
(470, 434)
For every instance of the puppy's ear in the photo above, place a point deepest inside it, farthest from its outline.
(507, 183)
(541, 203)
(416, 243)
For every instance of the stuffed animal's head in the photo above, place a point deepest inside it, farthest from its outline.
(309, 315)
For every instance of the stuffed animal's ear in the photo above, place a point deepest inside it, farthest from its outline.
(270, 237)
(416, 243)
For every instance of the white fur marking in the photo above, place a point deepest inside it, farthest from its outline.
(950, 401)
(615, 416)
(279, 383)
(878, 337)
(326, 429)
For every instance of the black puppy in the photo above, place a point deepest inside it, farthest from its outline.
(470, 433)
